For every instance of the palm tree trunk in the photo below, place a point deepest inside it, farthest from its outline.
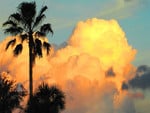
(30, 72)
(30, 65)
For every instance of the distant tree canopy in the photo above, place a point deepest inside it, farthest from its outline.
(10, 98)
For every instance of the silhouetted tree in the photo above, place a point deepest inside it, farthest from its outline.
(27, 24)
(10, 98)
(46, 99)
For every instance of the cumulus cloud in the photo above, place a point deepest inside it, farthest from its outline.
(95, 47)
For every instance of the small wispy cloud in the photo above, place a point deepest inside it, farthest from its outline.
(119, 9)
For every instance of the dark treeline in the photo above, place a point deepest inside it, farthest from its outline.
(45, 99)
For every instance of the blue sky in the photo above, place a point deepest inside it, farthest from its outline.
(132, 15)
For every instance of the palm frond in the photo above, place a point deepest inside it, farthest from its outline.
(43, 89)
(18, 49)
(11, 42)
(38, 20)
(40, 16)
(46, 28)
(13, 30)
(39, 34)
(46, 99)
(27, 11)
(15, 17)
(57, 97)
(10, 22)
(23, 37)
(38, 47)
(43, 9)
(47, 46)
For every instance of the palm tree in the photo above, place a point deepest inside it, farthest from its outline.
(46, 99)
(27, 24)
(10, 98)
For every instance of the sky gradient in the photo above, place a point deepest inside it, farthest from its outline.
(97, 52)
(132, 15)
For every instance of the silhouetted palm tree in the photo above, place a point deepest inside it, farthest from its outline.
(10, 98)
(27, 24)
(46, 99)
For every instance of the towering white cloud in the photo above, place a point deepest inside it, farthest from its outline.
(79, 68)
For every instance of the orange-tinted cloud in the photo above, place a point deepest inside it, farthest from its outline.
(79, 68)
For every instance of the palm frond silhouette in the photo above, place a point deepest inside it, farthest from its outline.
(46, 99)
(27, 23)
